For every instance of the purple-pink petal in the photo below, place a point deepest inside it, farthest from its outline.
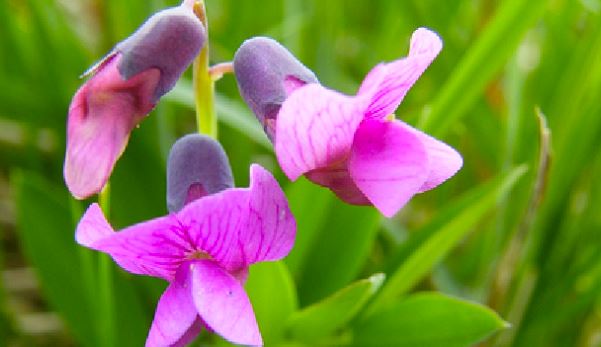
(444, 160)
(204, 252)
(338, 179)
(213, 225)
(101, 116)
(388, 163)
(154, 248)
(190, 334)
(223, 304)
(235, 227)
(315, 129)
(176, 321)
(270, 228)
(93, 227)
(348, 144)
(387, 84)
(238, 227)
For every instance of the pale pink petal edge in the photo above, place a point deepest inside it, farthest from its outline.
(93, 227)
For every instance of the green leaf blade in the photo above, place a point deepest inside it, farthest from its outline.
(480, 63)
(49, 243)
(321, 319)
(428, 319)
(50, 246)
(339, 251)
(271, 290)
(442, 239)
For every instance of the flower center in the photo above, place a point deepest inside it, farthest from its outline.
(197, 255)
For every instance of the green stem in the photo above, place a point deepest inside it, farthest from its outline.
(204, 84)
(106, 302)
(86, 261)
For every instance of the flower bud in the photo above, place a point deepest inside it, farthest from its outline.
(168, 41)
(197, 166)
(267, 73)
(123, 89)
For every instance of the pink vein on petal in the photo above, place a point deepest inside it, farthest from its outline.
(315, 127)
(387, 84)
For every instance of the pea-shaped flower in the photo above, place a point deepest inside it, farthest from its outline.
(352, 144)
(123, 89)
(203, 250)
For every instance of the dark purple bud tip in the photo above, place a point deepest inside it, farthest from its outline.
(267, 73)
(169, 41)
(197, 166)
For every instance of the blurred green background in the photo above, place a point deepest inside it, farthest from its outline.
(517, 230)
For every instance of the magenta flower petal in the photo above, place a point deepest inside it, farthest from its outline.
(239, 227)
(102, 114)
(176, 318)
(236, 227)
(93, 227)
(190, 334)
(213, 225)
(206, 248)
(388, 83)
(315, 129)
(271, 228)
(153, 248)
(388, 163)
(338, 179)
(444, 160)
(223, 304)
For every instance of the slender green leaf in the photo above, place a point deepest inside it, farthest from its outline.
(428, 319)
(310, 204)
(576, 138)
(50, 246)
(481, 61)
(273, 296)
(340, 250)
(442, 239)
(48, 241)
(6, 324)
(325, 317)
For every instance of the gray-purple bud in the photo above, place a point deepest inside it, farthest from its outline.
(267, 73)
(197, 166)
(168, 41)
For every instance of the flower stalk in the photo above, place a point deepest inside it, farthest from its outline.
(204, 84)
(105, 279)
(218, 70)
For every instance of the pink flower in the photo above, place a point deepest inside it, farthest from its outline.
(204, 251)
(353, 146)
(124, 88)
